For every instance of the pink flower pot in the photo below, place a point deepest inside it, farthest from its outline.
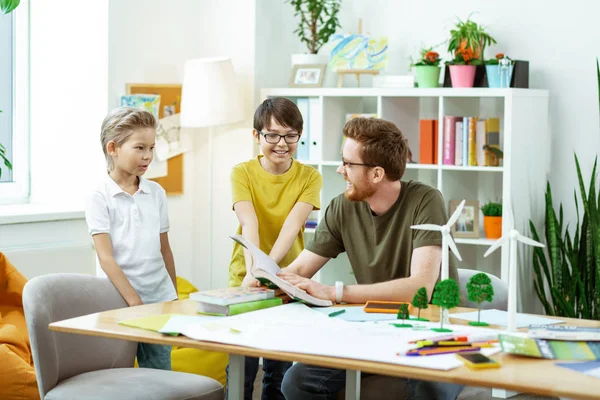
(462, 75)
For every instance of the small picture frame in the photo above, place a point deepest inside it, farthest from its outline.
(467, 225)
(307, 75)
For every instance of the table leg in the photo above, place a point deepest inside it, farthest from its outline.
(352, 385)
(235, 383)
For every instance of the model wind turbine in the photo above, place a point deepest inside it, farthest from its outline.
(447, 240)
(510, 239)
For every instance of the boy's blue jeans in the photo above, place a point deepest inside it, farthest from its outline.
(272, 378)
(308, 382)
(155, 356)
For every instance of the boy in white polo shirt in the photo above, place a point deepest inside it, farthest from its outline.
(128, 220)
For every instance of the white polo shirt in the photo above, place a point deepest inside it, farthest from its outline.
(134, 224)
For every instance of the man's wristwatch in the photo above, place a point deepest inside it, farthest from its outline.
(339, 291)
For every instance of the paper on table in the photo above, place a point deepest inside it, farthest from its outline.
(356, 314)
(499, 317)
(177, 323)
(591, 368)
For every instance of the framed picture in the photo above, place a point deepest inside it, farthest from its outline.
(307, 75)
(467, 225)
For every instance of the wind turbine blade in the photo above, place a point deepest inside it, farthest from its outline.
(456, 213)
(496, 244)
(427, 227)
(528, 241)
(454, 248)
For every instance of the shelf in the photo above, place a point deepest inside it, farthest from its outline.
(477, 242)
(461, 168)
(421, 166)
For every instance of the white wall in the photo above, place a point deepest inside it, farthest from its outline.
(149, 41)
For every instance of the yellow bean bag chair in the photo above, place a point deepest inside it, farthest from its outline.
(17, 376)
(196, 361)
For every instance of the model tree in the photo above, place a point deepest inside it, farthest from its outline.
(446, 295)
(480, 289)
(420, 301)
(403, 315)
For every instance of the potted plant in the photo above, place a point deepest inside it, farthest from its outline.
(467, 45)
(428, 68)
(492, 220)
(317, 21)
(499, 71)
(6, 7)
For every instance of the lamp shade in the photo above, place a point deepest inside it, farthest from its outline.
(209, 94)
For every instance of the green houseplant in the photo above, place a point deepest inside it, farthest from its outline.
(428, 69)
(492, 219)
(567, 272)
(499, 70)
(6, 7)
(318, 20)
(466, 45)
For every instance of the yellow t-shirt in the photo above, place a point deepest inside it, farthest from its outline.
(273, 197)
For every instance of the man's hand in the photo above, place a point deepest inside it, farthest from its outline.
(250, 281)
(311, 287)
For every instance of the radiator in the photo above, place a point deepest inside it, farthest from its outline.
(53, 258)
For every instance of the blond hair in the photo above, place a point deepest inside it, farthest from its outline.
(120, 124)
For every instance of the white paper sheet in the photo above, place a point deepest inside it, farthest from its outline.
(297, 328)
(356, 314)
(499, 317)
(177, 323)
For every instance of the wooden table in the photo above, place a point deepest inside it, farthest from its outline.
(522, 374)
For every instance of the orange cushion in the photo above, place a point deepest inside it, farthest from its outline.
(17, 376)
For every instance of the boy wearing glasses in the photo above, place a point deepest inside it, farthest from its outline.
(273, 196)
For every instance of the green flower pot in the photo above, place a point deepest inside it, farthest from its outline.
(428, 76)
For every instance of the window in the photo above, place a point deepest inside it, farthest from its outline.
(14, 103)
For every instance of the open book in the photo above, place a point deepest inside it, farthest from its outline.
(265, 270)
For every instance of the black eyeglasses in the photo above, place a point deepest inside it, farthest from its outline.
(346, 163)
(274, 138)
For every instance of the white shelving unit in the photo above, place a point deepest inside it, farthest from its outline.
(521, 179)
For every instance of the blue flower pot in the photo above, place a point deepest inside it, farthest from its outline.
(494, 78)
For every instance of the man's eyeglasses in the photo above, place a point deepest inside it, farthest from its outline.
(346, 163)
(274, 138)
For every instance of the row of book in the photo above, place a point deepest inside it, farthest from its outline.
(467, 141)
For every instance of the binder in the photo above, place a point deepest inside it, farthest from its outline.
(302, 151)
(315, 152)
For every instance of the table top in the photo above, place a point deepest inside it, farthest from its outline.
(522, 374)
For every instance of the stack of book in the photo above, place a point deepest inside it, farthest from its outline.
(235, 300)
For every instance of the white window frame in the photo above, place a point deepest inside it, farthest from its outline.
(18, 190)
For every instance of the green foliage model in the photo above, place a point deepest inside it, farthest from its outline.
(446, 296)
(480, 289)
(420, 300)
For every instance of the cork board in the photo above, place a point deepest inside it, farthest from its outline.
(170, 95)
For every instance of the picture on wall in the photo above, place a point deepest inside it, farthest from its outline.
(467, 225)
(307, 75)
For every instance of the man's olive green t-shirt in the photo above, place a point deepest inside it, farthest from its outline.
(380, 247)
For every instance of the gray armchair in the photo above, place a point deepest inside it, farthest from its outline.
(71, 366)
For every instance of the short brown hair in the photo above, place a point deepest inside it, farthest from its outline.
(382, 144)
(120, 124)
(285, 112)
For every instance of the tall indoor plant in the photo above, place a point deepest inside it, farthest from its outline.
(467, 45)
(6, 7)
(317, 21)
(567, 274)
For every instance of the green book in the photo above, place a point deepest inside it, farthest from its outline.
(239, 308)
(520, 343)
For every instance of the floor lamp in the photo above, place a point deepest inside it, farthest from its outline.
(209, 98)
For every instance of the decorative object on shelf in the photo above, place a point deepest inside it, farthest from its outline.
(492, 220)
(447, 241)
(467, 223)
(510, 239)
(480, 289)
(6, 7)
(446, 295)
(317, 21)
(499, 71)
(428, 69)
(308, 76)
(467, 45)
(494, 154)
(358, 54)
(420, 301)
